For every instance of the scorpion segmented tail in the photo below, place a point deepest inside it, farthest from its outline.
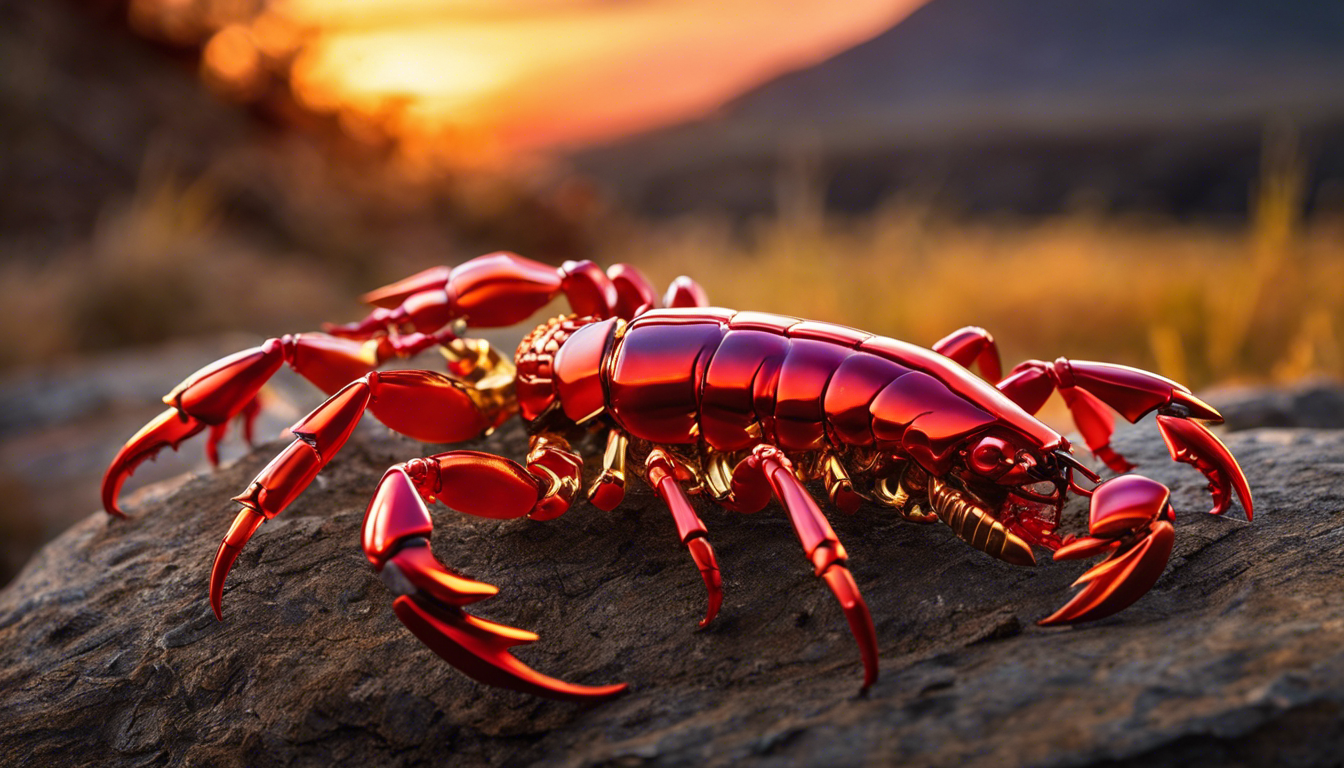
(974, 524)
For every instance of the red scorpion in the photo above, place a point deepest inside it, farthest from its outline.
(740, 406)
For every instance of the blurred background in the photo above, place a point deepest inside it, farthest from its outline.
(1153, 183)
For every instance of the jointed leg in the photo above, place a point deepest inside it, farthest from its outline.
(661, 471)
(767, 471)
(227, 389)
(399, 399)
(971, 344)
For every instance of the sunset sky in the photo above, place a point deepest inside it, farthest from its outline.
(525, 74)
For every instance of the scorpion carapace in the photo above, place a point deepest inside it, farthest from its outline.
(740, 407)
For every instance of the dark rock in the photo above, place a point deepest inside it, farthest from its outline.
(1317, 404)
(108, 654)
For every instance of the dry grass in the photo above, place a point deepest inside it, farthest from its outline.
(1202, 303)
(157, 266)
(1198, 303)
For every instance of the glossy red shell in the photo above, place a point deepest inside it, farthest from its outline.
(727, 404)
(656, 376)
(578, 365)
(678, 375)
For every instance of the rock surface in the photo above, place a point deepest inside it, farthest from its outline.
(1314, 404)
(109, 653)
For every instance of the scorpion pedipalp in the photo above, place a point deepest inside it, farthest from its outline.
(1131, 519)
(227, 389)
(1091, 389)
(397, 528)
(210, 397)
(168, 430)
(1192, 443)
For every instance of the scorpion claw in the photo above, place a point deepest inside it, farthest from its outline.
(1192, 443)
(429, 598)
(480, 649)
(168, 430)
(1116, 582)
(1130, 517)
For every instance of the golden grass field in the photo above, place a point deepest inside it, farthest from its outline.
(1199, 303)
(1260, 300)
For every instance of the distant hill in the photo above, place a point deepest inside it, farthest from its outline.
(1039, 80)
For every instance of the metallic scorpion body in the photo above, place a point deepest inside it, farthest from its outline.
(743, 407)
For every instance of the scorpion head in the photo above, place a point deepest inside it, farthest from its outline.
(1000, 477)
(559, 369)
(1003, 496)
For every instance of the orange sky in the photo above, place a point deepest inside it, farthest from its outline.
(525, 74)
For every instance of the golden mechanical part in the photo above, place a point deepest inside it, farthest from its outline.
(490, 375)
(917, 514)
(839, 487)
(891, 491)
(690, 472)
(887, 496)
(717, 477)
(973, 524)
(608, 489)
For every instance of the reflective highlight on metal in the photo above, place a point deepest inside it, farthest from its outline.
(740, 408)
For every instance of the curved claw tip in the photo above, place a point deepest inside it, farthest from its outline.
(244, 525)
(841, 582)
(224, 560)
(1118, 581)
(703, 554)
(167, 430)
(1192, 443)
(478, 648)
(218, 573)
(1197, 408)
(110, 506)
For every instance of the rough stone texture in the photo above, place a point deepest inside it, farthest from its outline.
(1315, 404)
(109, 654)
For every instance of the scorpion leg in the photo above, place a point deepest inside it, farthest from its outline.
(396, 398)
(661, 470)
(430, 598)
(634, 292)
(685, 292)
(608, 489)
(972, 344)
(227, 389)
(767, 466)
